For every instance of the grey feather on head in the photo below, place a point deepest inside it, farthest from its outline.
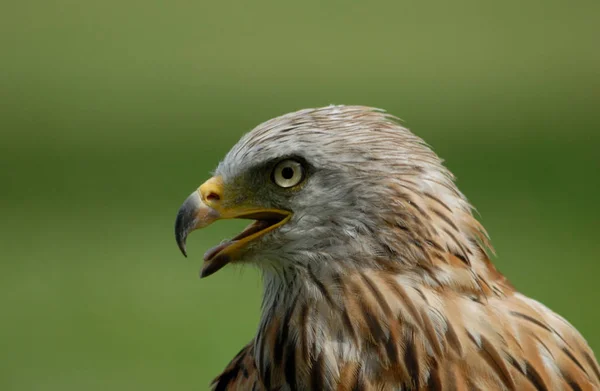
(374, 194)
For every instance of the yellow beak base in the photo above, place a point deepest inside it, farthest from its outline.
(205, 206)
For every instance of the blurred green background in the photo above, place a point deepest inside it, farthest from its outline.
(112, 112)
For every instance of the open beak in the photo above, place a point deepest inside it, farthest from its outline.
(211, 203)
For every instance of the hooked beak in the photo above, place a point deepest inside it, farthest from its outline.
(211, 203)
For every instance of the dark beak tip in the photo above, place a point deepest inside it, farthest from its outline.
(181, 231)
(181, 243)
(205, 272)
(186, 220)
(214, 265)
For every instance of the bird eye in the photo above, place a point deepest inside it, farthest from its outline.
(288, 173)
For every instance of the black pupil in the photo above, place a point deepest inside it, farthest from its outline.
(287, 173)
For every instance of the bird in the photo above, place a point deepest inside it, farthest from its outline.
(376, 273)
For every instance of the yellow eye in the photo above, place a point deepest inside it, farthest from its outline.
(288, 173)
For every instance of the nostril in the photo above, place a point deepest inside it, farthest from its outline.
(213, 196)
(212, 190)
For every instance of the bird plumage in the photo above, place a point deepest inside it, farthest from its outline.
(382, 280)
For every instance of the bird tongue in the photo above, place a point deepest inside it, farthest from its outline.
(215, 250)
(213, 261)
(256, 226)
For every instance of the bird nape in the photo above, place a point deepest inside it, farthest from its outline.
(376, 274)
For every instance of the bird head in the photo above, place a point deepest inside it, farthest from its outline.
(336, 186)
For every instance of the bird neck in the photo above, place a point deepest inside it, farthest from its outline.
(324, 319)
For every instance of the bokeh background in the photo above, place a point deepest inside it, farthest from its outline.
(112, 112)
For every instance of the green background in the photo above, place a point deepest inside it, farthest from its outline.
(112, 112)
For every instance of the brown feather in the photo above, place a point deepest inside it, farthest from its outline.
(406, 295)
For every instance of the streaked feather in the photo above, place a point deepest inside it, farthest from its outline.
(413, 301)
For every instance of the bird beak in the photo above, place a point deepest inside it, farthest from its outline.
(211, 202)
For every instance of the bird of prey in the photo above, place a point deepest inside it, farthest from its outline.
(376, 274)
